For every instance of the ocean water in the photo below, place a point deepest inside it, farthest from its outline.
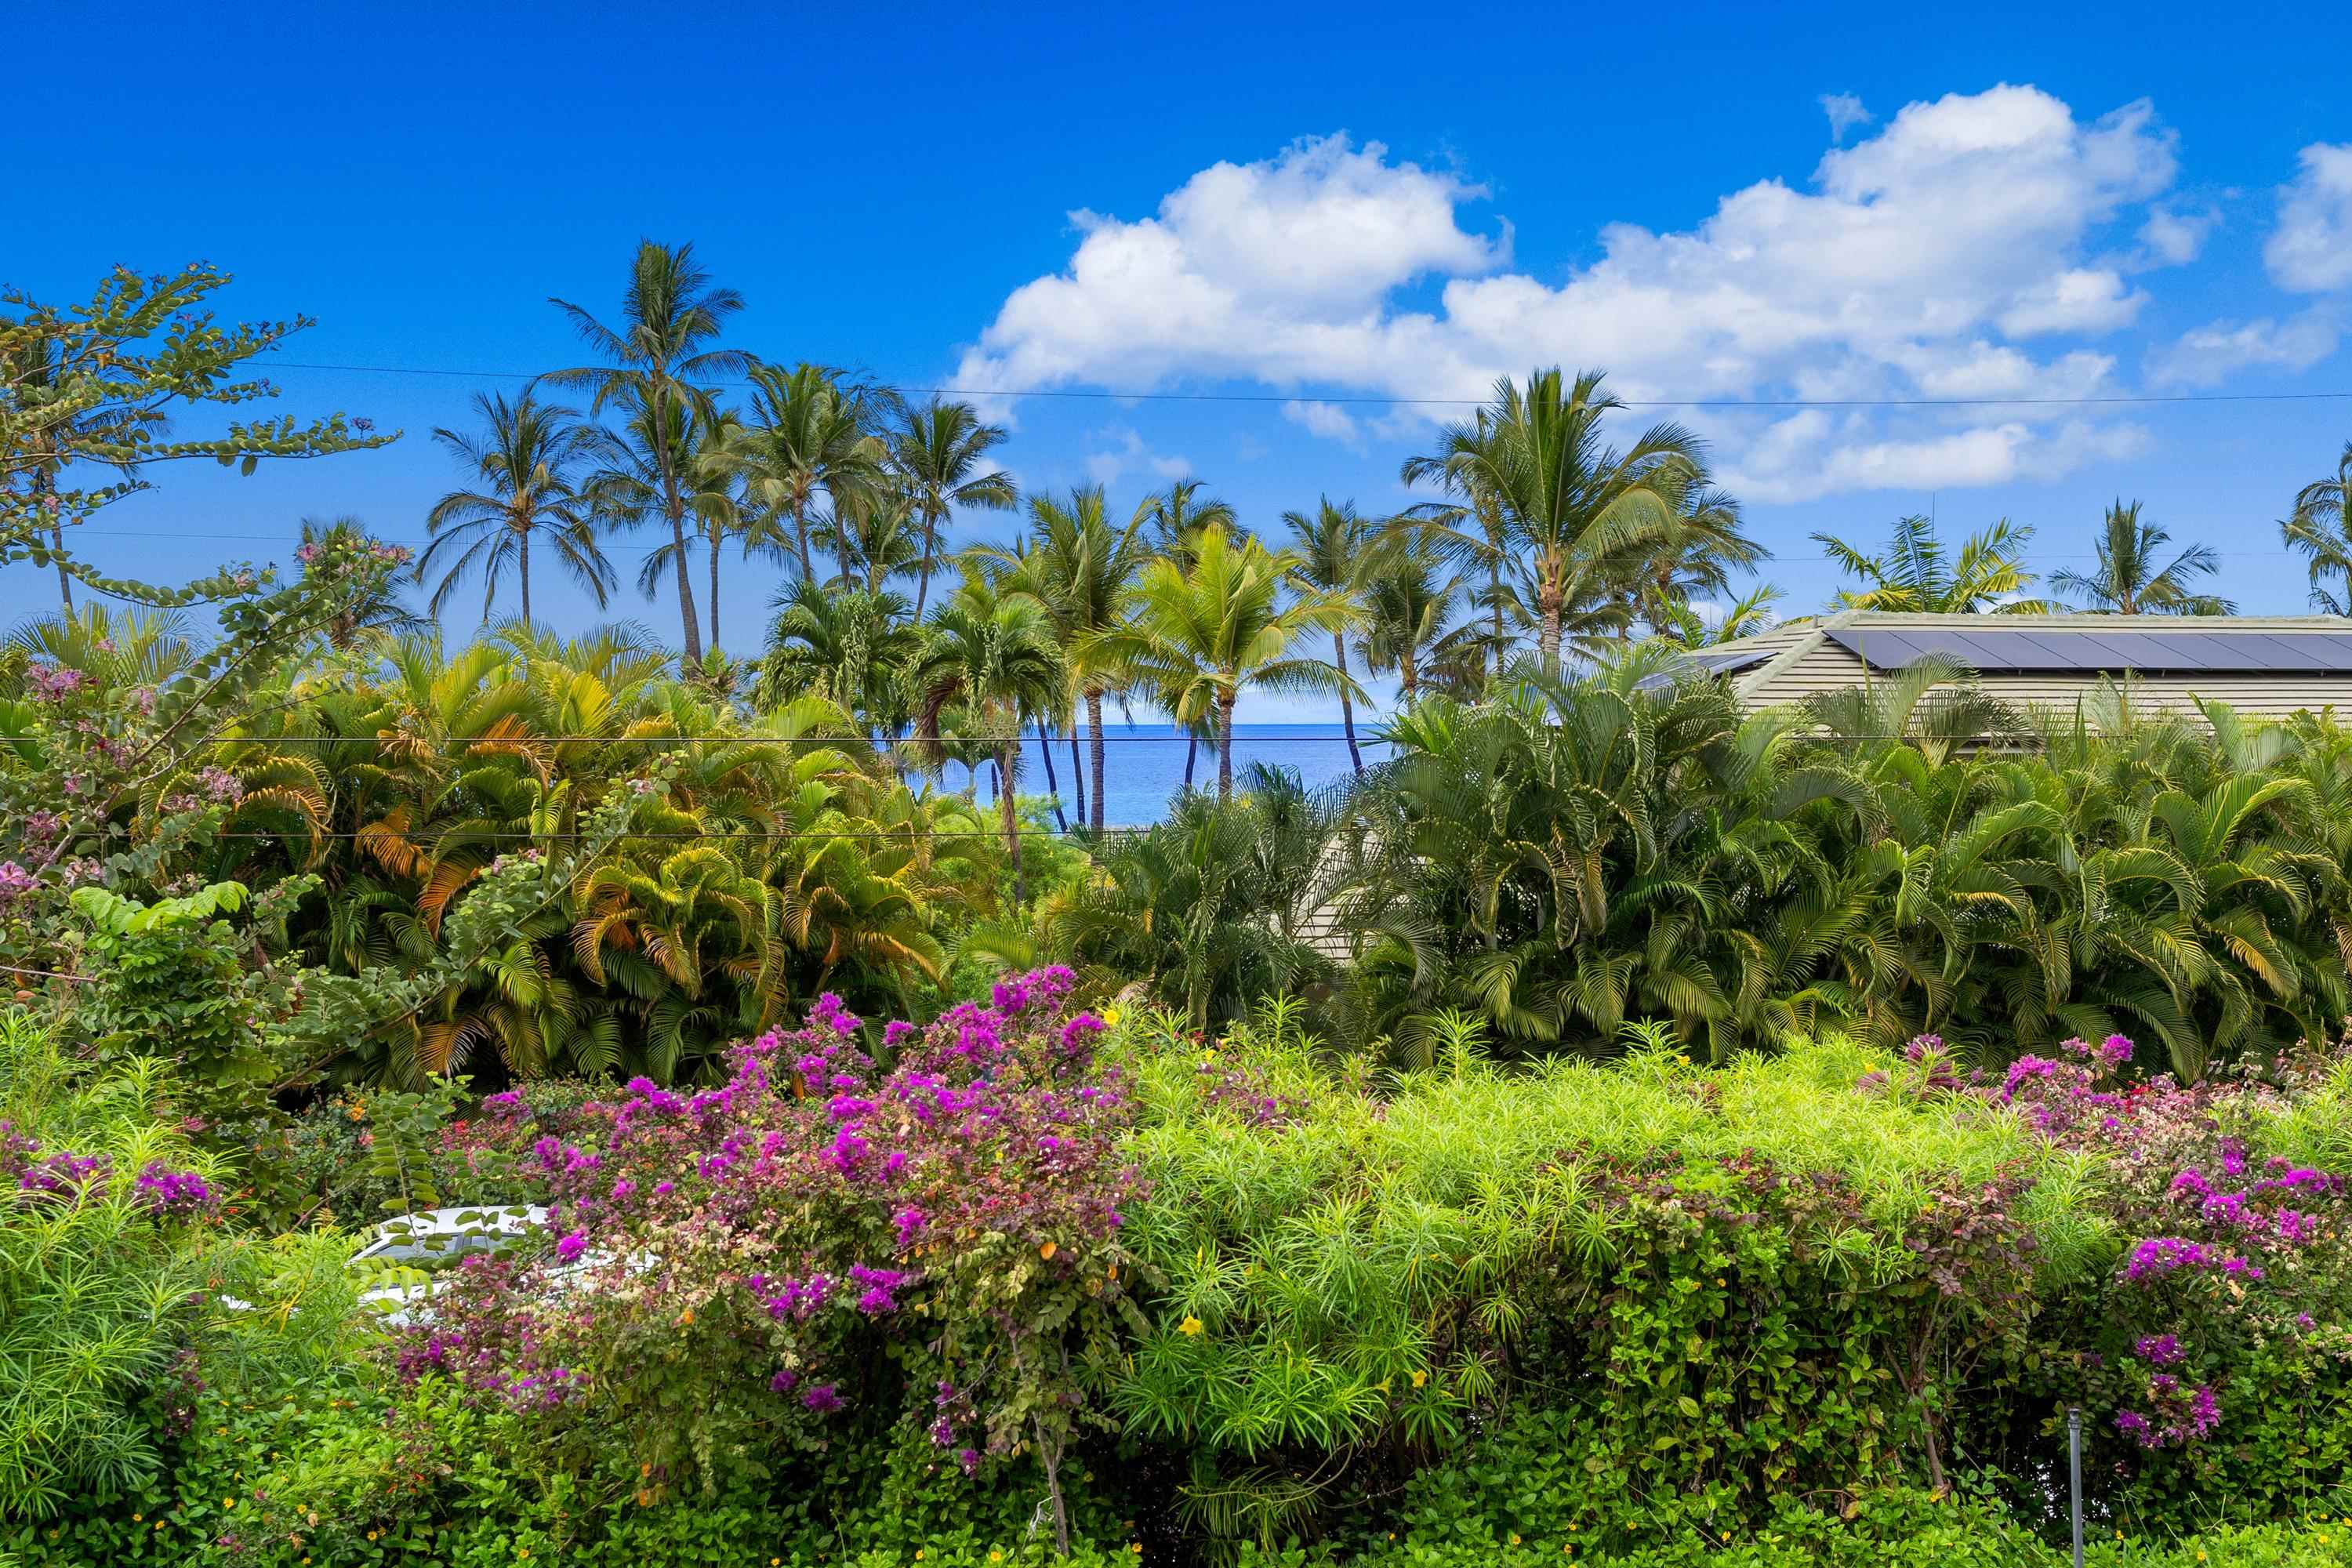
(1143, 764)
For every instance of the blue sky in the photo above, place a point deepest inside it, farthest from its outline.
(1302, 204)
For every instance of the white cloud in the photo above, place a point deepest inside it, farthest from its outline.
(1327, 420)
(2213, 353)
(1813, 453)
(1845, 112)
(2174, 238)
(2310, 251)
(1914, 264)
(1128, 453)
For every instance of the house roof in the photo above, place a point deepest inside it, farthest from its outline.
(2085, 645)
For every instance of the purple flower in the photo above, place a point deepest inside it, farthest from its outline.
(822, 1399)
(910, 1221)
(784, 1380)
(572, 1247)
(2160, 1350)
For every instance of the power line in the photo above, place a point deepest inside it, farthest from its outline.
(1732, 403)
(696, 539)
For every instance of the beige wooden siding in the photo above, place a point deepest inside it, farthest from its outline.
(1826, 667)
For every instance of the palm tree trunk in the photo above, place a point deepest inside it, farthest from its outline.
(1011, 821)
(1224, 749)
(923, 578)
(1347, 708)
(1408, 673)
(1053, 784)
(674, 504)
(1095, 747)
(714, 584)
(1192, 755)
(1077, 772)
(65, 578)
(522, 567)
(800, 536)
(1548, 604)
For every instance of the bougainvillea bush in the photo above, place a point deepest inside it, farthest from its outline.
(932, 1228)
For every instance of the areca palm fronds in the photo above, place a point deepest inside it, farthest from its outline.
(1917, 574)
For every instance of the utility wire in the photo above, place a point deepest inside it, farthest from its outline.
(2126, 399)
(694, 539)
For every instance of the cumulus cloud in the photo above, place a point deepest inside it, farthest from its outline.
(1925, 260)
(1845, 112)
(1125, 453)
(1327, 420)
(2310, 251)
(2211, 353)
(2174, 238)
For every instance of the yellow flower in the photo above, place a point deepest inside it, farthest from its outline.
(1047, 1250)
(1515, 1538)
(1110, 1014)
(228, 1502)
(1191, 1325)
(994, 1555)
(138, 1519)
(1420, 1378)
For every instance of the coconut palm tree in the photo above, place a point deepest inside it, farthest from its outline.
(1409, 598)
(806, 437)
(1079, 565)
(657, 358)
(1916, 576)
(1568, 505)
(526, 457)
(1703, 543)
(937, 451)
(2128, 582)
(2321, 528)
(876, 533)
(1336, 553)
(1199, 637)
(1744, 617)
(1176, 516)
(631, 491)
(994, 656)
(355, 616)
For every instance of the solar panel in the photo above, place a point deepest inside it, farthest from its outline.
(2109, 647)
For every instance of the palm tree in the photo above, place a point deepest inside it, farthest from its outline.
(2127, 581)
(936, 453)
(2321, 528)
(875, 534)
(1744, 617)
(994, 656)
(1200, 635)
(1177, 515)
(377, 611)
(1335, 549)
(853, 649)
(1572, 507)
(630, 491)
(1409, 603)
(1914, 577)
(1078, 564)
(670, 315)
(1703, 543)
(525, 458)
(806, 434)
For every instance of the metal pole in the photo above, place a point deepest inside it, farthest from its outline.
(2074, 1475)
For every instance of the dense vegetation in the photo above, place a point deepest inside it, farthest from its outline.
(1609, 1126)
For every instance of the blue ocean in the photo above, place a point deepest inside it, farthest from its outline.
(1143, 764)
